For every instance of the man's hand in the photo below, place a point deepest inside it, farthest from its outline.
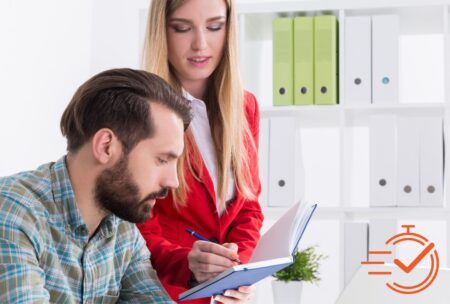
(242, 295)
(208, 259)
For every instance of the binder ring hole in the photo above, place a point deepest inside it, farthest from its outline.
(357, 81)
(431, 189)
(282, 91)
(407, 189)
(385, 80)
(323, 90)
(281, 183)
(382, 182)
(303, 90)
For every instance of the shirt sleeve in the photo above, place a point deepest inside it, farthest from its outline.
(21, 278)
(166, 256)
(140, 283)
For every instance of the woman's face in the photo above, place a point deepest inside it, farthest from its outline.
(196, 34)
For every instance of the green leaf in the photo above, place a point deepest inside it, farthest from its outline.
(305, 267)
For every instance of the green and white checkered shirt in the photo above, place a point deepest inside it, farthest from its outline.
(46, 254)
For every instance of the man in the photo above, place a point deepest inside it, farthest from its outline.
(65, 231)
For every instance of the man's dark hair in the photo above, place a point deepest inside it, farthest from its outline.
(119, 99)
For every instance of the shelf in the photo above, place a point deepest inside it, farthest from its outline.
(249, 7)
(420, 108)
(273, 213)
(299, 110)
(399, 213)
(412, 109)
(399, 106)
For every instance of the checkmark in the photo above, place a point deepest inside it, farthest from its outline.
(416, 261)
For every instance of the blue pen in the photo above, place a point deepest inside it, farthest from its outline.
(202, 238)
(197, 236)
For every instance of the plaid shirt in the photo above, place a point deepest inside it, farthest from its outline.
(46, 254)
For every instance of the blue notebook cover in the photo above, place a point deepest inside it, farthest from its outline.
(246, 274)
(232, 279)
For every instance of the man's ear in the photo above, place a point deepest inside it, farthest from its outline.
(106, 147)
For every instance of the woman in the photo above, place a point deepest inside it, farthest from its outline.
(193, 45)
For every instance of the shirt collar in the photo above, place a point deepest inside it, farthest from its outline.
(64, 197)
(187, 95)
(63, 194)
(195, 102)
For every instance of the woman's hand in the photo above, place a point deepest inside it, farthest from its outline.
(242, 295)
(208, 259)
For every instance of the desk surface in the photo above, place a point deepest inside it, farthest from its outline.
(372, 289)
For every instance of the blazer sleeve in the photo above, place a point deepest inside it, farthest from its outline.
(244, 229)
(165, 255)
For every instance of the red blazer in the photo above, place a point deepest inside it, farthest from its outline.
(165, 233)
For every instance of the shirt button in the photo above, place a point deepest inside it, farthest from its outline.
(82, 230)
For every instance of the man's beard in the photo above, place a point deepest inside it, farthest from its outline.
(117, 192)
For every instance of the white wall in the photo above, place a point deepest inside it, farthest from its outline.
(44, 56)
(48, 48)
(117, 33)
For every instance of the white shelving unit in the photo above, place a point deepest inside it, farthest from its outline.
(418, 18)
(364, 212)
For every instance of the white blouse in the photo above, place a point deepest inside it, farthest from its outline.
(202, 135)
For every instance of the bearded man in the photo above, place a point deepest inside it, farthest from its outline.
(66, 228)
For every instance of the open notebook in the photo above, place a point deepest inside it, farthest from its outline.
(274, 251)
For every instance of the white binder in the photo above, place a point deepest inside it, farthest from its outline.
(408, 134)
(357, 52)
(431, 161)
(355, 248)
(263, 155)
(385, 59)
(383, 160)
(380, 230)
(285, 162)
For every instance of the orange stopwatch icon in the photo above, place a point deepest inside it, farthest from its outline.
(428, 250)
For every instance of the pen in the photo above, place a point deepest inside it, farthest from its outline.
(202, 238)
(197, 236)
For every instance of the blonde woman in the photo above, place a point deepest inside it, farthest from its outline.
(193, 45)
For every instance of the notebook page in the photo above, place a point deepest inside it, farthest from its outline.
(275, 242)
(304, 217)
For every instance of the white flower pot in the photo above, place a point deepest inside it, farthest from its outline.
(287, 292)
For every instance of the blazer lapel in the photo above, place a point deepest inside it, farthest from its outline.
(208, 183)
(205, 180)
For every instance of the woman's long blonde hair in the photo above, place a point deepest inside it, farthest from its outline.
(224, 100)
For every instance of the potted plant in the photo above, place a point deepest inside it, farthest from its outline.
(287, 287)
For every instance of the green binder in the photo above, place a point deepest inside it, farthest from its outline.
(303, 60)
(325, 54)
(283, 57)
